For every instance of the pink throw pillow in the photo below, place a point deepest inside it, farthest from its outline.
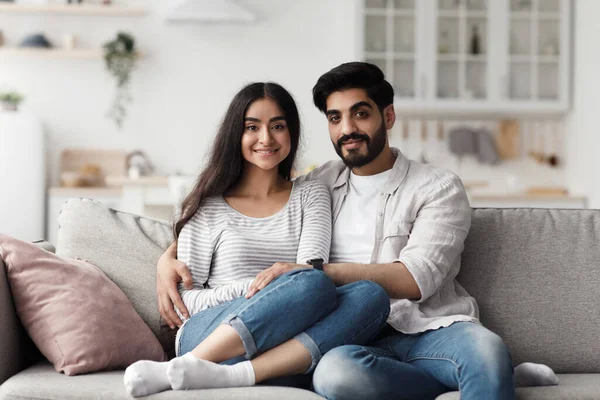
(77, 317)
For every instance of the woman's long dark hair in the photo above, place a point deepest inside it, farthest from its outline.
(226, 162)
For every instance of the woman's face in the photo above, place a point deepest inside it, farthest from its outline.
(266, 138)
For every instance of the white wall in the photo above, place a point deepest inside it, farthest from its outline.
(583, 168)
(191, 71)
(184, 84)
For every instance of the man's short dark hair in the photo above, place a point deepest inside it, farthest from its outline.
(354, 75)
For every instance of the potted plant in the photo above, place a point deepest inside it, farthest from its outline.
(120, 57)
(10, 100)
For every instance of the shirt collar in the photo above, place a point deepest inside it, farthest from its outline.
(399, 171)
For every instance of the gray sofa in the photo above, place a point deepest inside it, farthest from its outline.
(534, 273)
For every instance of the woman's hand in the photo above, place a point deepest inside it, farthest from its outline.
(265, 277)
(169, 271)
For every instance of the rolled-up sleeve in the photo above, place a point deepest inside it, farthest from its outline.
(315, 239)
(437, 236)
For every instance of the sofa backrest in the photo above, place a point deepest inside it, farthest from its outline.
(126, 247)
(535, 275)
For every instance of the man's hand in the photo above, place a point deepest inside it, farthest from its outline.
(265, 277)
(169, 271)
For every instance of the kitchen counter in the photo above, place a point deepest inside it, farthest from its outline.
(148, 195)
(91, 192)
(527, 197)
(141, 181)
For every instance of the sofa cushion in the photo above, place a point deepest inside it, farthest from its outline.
(77, 317)
(571, 387)
(109, 385)
(535, 275)
(126, 247)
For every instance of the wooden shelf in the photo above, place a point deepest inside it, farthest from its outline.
(54, 53)
(51, 53)
(153, 180)
(72, 9)
(91, 192)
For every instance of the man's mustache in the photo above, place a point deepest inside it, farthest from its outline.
(353, 136)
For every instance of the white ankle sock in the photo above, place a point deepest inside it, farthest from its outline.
(189, 372)
(530, 374)
(146, 377)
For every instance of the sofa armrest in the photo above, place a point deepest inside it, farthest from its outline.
(10, 332)
(17, 351)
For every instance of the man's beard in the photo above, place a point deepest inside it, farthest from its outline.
(354, 158)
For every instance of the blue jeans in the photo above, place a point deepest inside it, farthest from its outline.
(303, 304)
(464, 356)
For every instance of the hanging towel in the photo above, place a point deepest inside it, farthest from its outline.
(462, 141)
(487, 153)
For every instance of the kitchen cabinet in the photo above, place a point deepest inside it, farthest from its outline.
(94, 10)
(45, 8)
(393, 35)
(467, 57)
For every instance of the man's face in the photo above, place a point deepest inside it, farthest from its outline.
(356, 127)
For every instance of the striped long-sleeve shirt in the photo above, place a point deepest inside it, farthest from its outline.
(225, 249)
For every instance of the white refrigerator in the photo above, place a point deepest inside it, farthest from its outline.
(22, 176)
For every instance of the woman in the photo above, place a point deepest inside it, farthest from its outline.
(246, 233)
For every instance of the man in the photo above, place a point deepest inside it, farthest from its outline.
(401, 224)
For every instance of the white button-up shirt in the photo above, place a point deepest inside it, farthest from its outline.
(423, 218)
